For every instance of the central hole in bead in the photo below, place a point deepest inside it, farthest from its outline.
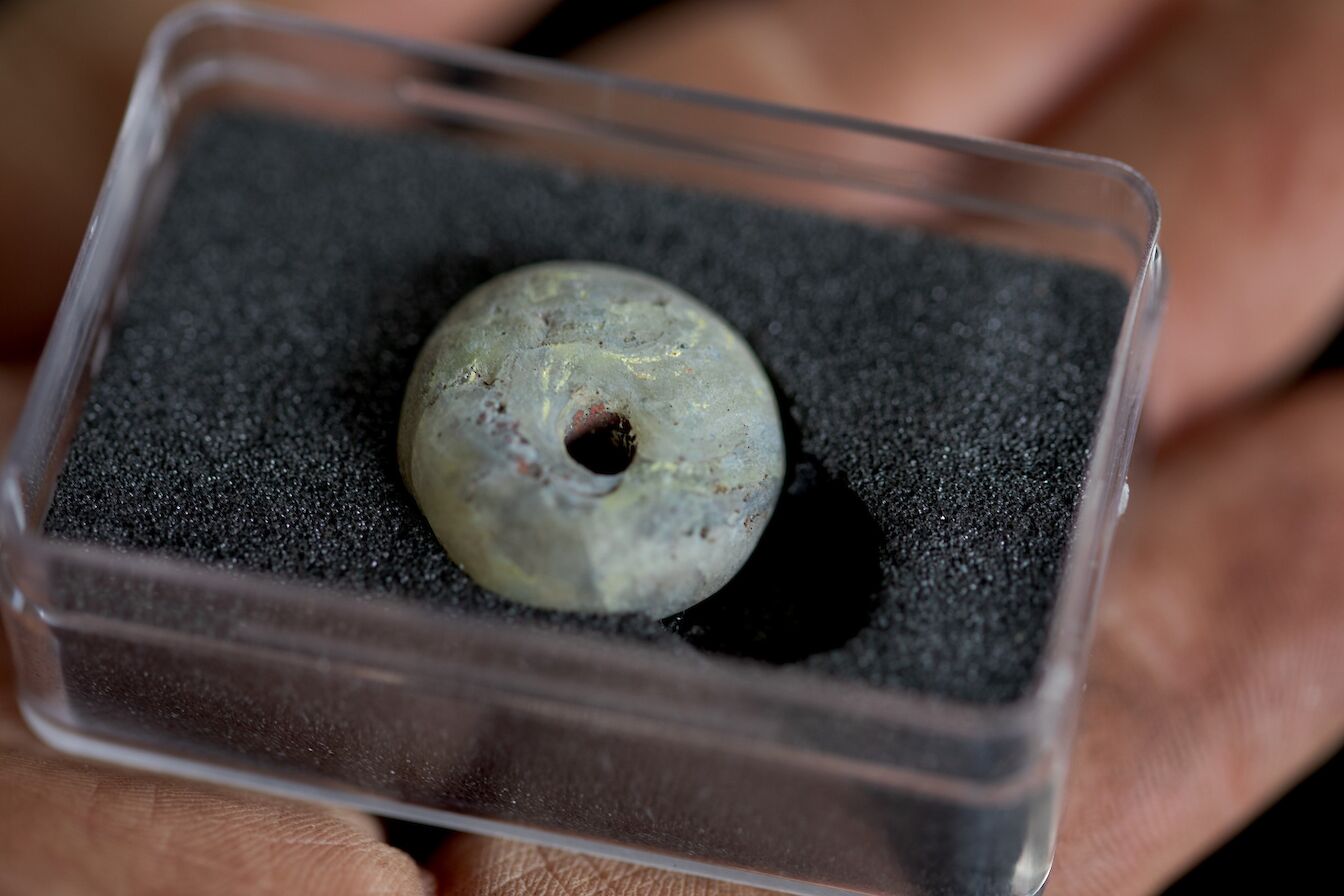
(601, 440)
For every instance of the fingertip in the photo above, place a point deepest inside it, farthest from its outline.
(472, 865)
(297, 850)
(374, 869)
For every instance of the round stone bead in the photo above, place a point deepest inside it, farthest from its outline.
(587, 437)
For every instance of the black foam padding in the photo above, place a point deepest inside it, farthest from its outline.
(940, 398)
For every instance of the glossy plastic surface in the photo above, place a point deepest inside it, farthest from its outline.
(761, 775)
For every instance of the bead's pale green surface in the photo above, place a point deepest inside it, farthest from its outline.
(515, 365)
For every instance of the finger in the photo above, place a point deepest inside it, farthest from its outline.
(1218, 673)
(65, 71)
(71, 827)
(962, 66)
(469, 865)
(1233, 115)
(79, 829)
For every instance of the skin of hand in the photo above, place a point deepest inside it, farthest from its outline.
(1217, 675)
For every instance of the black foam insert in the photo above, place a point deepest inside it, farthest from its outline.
(939, 397)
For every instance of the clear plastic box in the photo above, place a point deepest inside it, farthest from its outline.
(761, 775)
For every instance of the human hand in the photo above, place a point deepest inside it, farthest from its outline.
(1218, 672)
